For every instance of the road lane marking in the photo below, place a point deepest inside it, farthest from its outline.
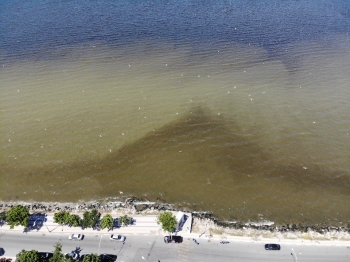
(182, 250)
(98, 250)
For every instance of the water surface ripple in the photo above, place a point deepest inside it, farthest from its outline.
(235, 107)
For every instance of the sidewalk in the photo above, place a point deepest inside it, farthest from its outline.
(142, 225)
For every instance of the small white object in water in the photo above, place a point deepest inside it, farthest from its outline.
(234, 87)
(228, 92)
(218, 114)
(120, 192)
(110, 150)
(305, 167)
(251, 99)
(166, 64)
(199, 76)
(314, 122)
(122, 133)
(100, 135)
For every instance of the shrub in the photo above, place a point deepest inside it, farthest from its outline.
(27, 256)
(168, 221)
(61, 217)
(124, 220)
(107, 222)
(90, 219)
(73, 220)
(92, 258)
(18, 215)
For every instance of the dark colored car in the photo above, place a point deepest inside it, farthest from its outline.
(45, 256)
(272, 247)
(81, 258)
(173, 239)
(108, 258)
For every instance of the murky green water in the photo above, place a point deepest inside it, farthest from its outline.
(241, 129)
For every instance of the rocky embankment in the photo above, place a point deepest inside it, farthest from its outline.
(206, 223)
(203, 222)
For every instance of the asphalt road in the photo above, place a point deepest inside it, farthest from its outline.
(152, 248)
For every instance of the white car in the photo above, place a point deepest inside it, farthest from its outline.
(76, 237)
(118, 237)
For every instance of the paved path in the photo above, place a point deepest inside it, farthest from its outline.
(147, 225)
(141, 225)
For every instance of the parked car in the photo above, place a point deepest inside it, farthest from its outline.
(118, 237)
(2, 251)
(73, 255)
(45, 256)
(76, 237)
(272, 247)
(173, 239)
(108, 258)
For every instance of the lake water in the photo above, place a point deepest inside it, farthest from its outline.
(236, 107)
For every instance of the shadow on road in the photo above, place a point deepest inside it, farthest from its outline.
(36, 222)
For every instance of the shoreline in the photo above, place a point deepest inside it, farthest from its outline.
(202, 222)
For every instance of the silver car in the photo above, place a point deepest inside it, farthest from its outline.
(72, 255)
(76, 237)
(118, 238)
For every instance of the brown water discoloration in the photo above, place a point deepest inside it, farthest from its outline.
(199, 162)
